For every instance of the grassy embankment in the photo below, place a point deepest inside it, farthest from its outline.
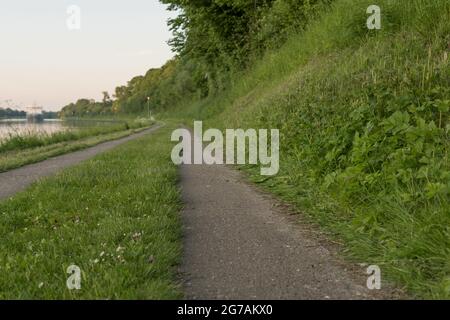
(20, 150)
(116, 217)
(364, 123)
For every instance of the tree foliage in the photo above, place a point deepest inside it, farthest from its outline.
(87, 108)
(213, 40)
(11, 113)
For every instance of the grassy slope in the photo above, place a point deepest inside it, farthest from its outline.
(364, 119)
(115, 216)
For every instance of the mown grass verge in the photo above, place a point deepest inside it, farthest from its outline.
(115, 217)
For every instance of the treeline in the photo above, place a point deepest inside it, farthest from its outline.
(50, 114)
(216, 39)
(11, 113)
(89, 107)
(213, 40)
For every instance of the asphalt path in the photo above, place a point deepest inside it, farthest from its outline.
(240, 243)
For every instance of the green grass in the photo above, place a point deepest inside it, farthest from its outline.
(115, 216)
(364, 122)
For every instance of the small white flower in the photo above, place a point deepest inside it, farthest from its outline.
(41, 285)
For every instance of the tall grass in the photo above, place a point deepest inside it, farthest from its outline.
(27, 140)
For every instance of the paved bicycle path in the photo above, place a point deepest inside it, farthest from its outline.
(241, 244)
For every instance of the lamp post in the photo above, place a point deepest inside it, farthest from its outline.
(148, 107)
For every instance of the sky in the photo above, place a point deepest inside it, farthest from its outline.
(46, 59)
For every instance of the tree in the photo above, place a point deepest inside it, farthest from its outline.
(106, 97)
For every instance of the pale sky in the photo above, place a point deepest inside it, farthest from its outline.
(42, 61)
